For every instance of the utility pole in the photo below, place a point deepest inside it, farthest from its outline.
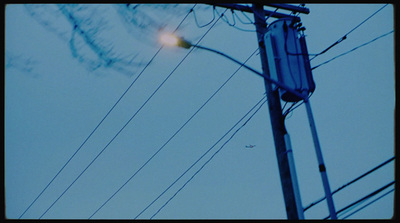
(291, 194)
(277, 123)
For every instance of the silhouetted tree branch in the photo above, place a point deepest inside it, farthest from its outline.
(95, 36)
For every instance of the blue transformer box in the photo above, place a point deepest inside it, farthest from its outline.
(288, 58)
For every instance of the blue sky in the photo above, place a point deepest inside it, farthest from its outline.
(53, 101)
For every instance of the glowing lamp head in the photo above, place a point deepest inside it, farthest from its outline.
(172, 40)
(169, 39)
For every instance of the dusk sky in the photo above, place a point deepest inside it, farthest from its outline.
(66, 66)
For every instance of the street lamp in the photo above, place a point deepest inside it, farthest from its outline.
(173, 40)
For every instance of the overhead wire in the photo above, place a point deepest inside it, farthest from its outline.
(248, 18)
(192, 118)
(115, 136)
(262, 101)
(102, 120)
(173, 135)
(227, 20)
(352, 181)
(294, 106)
(366, 19)
(345, 35)
(202, 26)
(241, 21)
(355, 48)
(364, 198)
(251, 22)
(234, 21)
(378, 198)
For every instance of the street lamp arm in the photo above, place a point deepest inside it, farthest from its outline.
(230, 58)
(304, 97)
(173, 40)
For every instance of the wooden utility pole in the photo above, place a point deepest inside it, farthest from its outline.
(277, 120)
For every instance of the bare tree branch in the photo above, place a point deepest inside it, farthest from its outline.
(108, 36)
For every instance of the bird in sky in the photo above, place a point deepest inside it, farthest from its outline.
(250, 146)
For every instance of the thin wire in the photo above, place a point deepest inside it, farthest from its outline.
(222, 15)
(293, 107)
(353, 181)
(191, 178)
(102, 120)
(383, 195)
(366, 20)
(201, 26)
(269, 16)
(127, 121)
(364, 198)
(245, 30)
(198, 110)
(234, 22)
(248, 18)
(284, 114)
(227, 20)
(241, 21)
(283, 108)
(345, 35)
(251, 22)
(187, 122)
(355, 48)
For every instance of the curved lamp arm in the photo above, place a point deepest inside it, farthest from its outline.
(172, 40)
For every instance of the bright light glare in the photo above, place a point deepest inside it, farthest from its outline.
(169, 39)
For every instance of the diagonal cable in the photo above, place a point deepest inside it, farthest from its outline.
(176, 133)
(102, 120)
(364, 198)
(383, 195)
(352, 181)
(262, 101)
(345, 35)
(91, 133)
(132, 117)
(355, 48)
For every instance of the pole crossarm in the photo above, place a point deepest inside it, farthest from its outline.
(244, 8)
(292, 8)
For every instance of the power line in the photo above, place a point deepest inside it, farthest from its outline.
(215, 153)
(84, 142)
(356, 204)
(243, 22)
(102, 120)
(201, 26)
(235, 16)
(353, 181)
(345, 35)
(366, 20)
(383, 195)
(355, 48)
(251, 21)
(125, 123)
(198, 110)
(189, 120)
(364, 198)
